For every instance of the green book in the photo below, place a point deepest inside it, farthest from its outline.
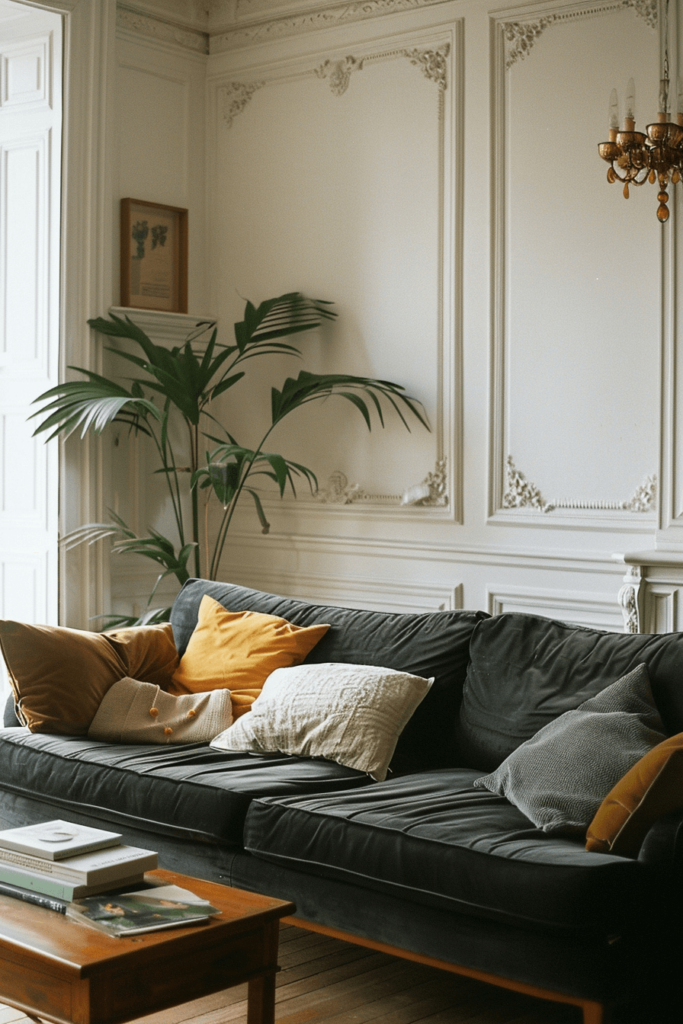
(61, 890)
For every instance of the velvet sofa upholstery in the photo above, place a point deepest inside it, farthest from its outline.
(423, 862)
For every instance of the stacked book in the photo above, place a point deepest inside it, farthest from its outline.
(56, 862)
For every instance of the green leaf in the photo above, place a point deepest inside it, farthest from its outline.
(265, 525)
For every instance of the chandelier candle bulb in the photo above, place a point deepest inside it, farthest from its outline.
(630, 115)
(613, 115)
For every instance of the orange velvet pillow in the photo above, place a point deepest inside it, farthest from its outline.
(59, 676)
(238, 650)
(653, 787)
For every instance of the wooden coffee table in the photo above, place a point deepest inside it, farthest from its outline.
(55, 969)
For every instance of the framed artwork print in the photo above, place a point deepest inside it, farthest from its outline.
(153, 256)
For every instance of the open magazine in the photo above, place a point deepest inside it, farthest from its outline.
(146, 910)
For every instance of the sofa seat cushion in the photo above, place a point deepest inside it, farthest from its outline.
(424, 644)
(436, 840)
(189, 790)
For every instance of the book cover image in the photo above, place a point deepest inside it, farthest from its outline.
(134, 913)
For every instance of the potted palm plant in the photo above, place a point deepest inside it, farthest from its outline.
(182, 383)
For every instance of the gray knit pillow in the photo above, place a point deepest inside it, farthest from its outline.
(561, 775)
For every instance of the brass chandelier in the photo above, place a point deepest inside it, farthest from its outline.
(655, 155)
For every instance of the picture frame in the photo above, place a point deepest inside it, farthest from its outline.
(153, 256)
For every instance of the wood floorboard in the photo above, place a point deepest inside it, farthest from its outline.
(327, 981)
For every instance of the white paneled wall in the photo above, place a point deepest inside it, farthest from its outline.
(431, 167)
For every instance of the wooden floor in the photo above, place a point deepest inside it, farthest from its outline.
(325, 981)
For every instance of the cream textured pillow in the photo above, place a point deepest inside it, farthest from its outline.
(352, 714)
(137, 712)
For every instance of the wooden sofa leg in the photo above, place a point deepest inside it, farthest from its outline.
(594, 1013)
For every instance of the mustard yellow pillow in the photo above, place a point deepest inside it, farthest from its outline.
(653, 787)
(237, 651)
(59, 676)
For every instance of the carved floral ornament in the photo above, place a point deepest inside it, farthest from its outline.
(520, 36)
(432, 492)
(432, 62)
(338, 72)
(521, 493)
(234, 96)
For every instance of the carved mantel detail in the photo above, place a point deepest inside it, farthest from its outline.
(234, 97)
(338, 73)
(629, 599)
(521, 493)
(432, 63)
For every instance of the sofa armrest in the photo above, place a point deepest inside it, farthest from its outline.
(663, 844)
(10, 717)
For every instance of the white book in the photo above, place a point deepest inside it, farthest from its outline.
(55, 840)
(94, 868)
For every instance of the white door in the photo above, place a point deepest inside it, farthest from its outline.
(30, 185)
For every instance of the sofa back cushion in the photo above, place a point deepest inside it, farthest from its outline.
(526, 670)
(424, 644)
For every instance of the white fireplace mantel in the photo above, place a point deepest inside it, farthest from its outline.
(651, 597)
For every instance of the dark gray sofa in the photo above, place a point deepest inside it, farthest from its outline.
(423, 863)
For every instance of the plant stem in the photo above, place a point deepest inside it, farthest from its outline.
(229, 512)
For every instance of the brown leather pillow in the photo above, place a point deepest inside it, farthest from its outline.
(59, 675)
(653, 787)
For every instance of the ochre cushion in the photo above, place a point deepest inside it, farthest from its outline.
(59, 676)
(651, 788)
(237, 651)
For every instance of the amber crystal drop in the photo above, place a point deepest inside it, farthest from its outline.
(663, 213)
(663, 197)
(652, 177)
(675, 177)
(626, 192)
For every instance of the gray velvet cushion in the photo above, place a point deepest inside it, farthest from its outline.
(559, 777)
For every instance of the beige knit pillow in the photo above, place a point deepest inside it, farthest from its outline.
(351, 714)
(137, 712)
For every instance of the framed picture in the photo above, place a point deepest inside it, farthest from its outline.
(153, 256)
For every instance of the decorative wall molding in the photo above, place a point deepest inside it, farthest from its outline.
(161, 31)
(432, 492)
(339, 491)
(439, 62)
(521, 493)
(432, 62)
(338, 73)
(326, 16)
(520, 36)
(234, 97)
(509, 44)
(597, 611)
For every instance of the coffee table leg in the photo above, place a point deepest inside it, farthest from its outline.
(261, 1008)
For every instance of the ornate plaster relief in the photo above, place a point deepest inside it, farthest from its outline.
(521, 493)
